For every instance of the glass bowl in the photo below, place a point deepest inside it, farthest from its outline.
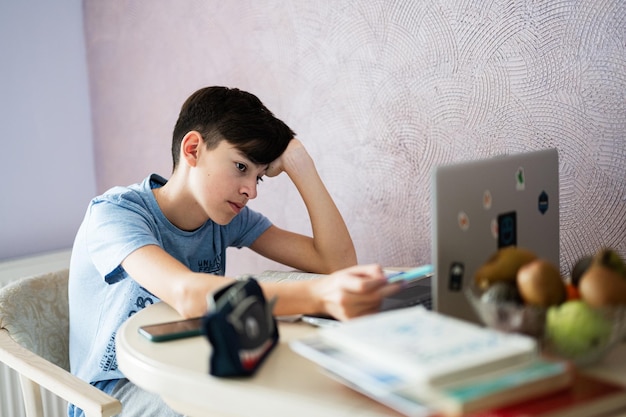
(579, 333)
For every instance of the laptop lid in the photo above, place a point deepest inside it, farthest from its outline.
(480, 206)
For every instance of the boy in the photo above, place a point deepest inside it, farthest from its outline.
(166, 239)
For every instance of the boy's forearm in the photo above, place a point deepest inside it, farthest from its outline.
(292, 297)
(330, 233)
(331, 237)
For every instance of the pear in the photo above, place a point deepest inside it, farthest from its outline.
(502, 266)
(601, 286)
(604, 282)
(539, 283)
(612, 260)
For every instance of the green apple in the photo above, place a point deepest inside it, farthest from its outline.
(574, 328)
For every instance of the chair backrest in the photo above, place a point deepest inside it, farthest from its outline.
(34, 341)
(35, 312)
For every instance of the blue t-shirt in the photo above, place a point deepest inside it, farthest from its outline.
(102, 295)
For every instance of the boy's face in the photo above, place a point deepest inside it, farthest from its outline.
(223, 181)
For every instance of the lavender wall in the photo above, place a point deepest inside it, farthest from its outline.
(380, 92)
(47, 166)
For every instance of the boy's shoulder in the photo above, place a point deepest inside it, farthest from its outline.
(124, 204)
(135, 193)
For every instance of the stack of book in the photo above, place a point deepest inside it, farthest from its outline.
(587, 396)
(422, 363)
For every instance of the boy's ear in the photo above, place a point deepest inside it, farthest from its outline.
(190, 146)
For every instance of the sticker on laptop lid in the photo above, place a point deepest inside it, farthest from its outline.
(520, 179)
(463, 220)
(507, 229)
(455, 279)
(487, 200)
(543, 202)
(494, 228)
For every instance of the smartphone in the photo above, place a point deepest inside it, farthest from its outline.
(412, 275)
(321, 321)
(172, 330)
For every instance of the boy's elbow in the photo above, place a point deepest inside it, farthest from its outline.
(341, 260)
(350, 258)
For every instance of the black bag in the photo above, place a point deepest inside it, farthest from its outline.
(240, 328)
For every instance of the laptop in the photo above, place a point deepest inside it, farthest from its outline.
(478, 207)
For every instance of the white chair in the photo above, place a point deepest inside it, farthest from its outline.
(34, 341)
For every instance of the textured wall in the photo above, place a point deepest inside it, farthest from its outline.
(380, 92)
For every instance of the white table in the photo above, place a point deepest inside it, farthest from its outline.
(285, 385)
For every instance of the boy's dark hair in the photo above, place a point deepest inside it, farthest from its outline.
(221, 113)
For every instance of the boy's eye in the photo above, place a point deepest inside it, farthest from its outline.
(241, 167)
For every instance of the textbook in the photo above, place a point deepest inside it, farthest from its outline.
(494, 389)
(360, 375)
(279, 276)
(527, 382)
(588, 396)
(429, 348)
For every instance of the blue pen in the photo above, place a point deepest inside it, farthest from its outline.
(420, 271)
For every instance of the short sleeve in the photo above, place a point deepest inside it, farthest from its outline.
(115, 229)
(247, 227)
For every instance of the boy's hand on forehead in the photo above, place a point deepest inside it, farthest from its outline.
(294, 153)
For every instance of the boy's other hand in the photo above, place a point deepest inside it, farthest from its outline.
(353, 291)
(294, 155)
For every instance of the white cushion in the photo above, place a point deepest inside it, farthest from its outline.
(35, 312)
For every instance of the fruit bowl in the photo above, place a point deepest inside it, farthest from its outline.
(510, 317)
(572, 331)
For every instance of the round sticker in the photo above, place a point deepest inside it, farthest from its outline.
(463, 220)
(487, 200)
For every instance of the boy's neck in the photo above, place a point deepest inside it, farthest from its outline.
(178, 207)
